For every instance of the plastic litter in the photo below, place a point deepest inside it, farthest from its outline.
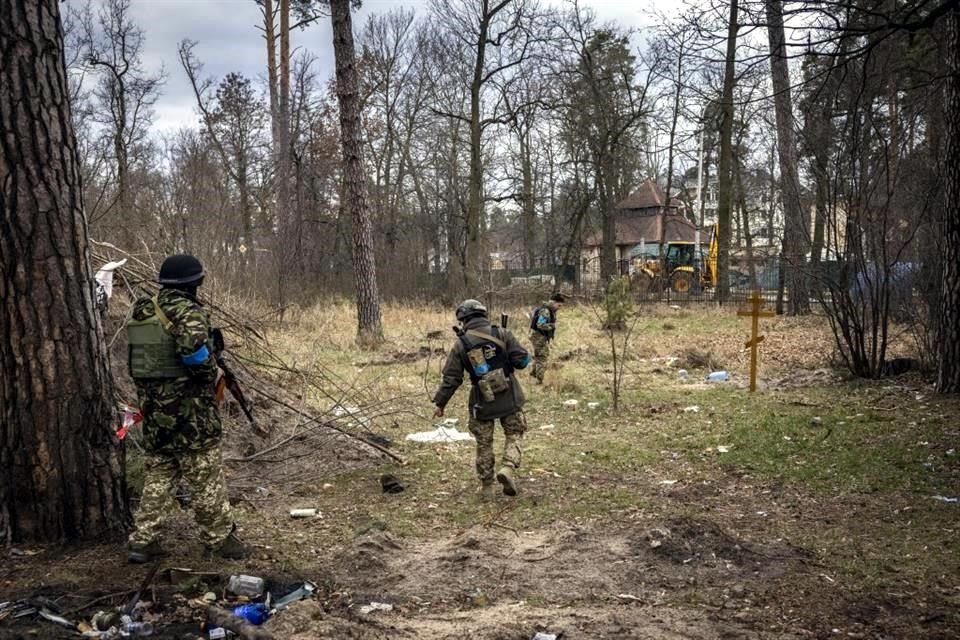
(376, 606)
(255, 614)
(691, 409)
(137, 628)
(682, 374)
(947, 499)
(440, 434)
(571, 404)
(217, 633)
(303, 513)
(544, 636)
(593, 405)
(717, 376)
(300, 593)
(722, 449)
(242, 585)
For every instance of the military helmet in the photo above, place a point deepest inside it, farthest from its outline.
(469, 309)
(180, 269)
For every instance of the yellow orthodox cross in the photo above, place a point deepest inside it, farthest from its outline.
(755, 312)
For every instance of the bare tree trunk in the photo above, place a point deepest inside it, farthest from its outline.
(948, 338)
(609, 268)
(472, 261)
(673, 135)
(370, 331)
(726, 160)
(529, 211)
(288, 253)
(270, 35)
(796, 233)
(745, 226)
(61, 468)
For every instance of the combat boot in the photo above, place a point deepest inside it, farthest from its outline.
(232, 548)
(486, 492)
(144, 553)
(505, 478)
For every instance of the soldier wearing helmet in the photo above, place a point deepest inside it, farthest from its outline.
(489, 355)
(172, 362)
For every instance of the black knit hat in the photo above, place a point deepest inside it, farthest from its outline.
(558, 297)
(181, 269)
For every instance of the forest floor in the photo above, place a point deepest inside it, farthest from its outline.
(814, 508)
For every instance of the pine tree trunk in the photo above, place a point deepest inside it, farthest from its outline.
(724, 186)
(796, 233)
(61, 468)
(364, 266)
(948, 339)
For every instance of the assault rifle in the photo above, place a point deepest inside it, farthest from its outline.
(228, 382)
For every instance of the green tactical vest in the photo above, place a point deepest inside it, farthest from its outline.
(152, 351)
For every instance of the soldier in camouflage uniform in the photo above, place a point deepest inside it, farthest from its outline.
(175, 370)
(543, 328)
(489, 355)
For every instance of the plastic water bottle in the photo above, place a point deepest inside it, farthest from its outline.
(255, 614)
(138, 628)
(718, 376)
(250, 586)
(218, 633)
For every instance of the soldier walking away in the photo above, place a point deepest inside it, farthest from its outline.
(543, 327)
(489, 355)
(173, 364)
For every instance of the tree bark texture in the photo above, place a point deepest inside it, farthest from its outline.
(61, 467)
(364, 265)
(796, 233)
(724, 177)
(948, 368)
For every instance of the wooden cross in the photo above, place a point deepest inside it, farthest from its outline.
(755, 312)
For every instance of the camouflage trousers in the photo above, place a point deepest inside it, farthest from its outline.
(203, 472)
(514, 426)
(541, 352)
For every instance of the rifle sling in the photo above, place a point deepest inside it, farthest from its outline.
(488, 337)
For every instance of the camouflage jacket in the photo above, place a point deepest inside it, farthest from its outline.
(456, 367)
(544, 321)
(180, 414)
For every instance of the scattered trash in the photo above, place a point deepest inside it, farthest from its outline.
(243, 585)
(539, 635)
(629, 596)
(717, 376)
(375, 606)
(722, 449)
(691, 409)
(303, 592)
(816, 421)
(256, 613)
(593, 405)
(440, 434)
(450, 422)
(682, 374)
(104, 279)
(218, 633)
(548, 426)
(668, 482)
(132, 628)
(131, 417)
(46, 614)
(946, 499)
(327, 486)
(303, 513)
(571, 404)
(391, 484)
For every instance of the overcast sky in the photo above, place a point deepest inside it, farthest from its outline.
(227, 40)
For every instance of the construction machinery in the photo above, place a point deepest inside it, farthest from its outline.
(686, 266)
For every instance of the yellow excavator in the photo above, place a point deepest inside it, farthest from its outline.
(687, 267)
